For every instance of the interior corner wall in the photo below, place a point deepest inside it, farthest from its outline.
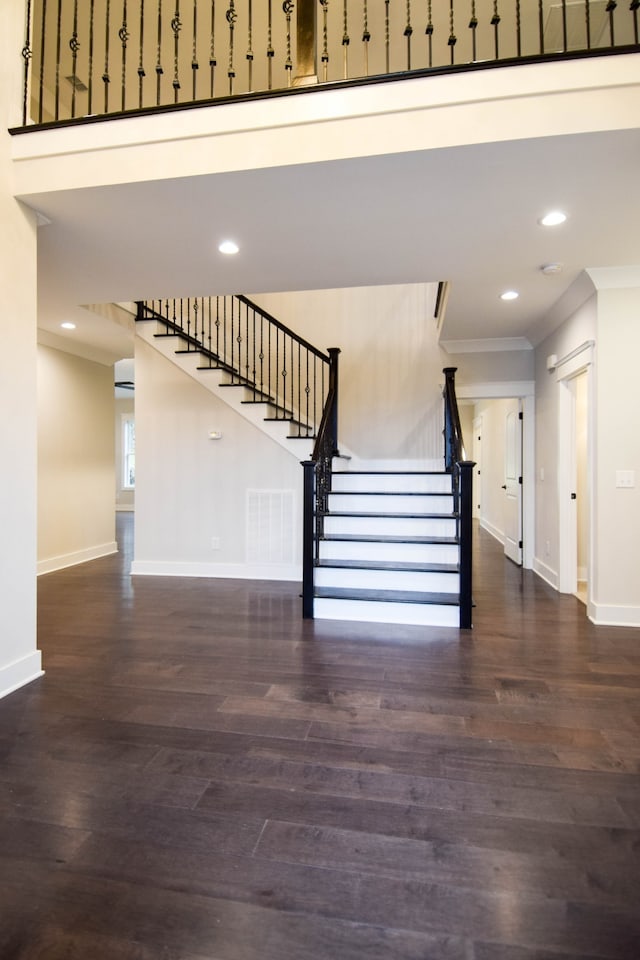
(616, 583)
(76, 460)
(576, 330)
(125, 499)
(226, 507)
(20, 659)
(391, 364)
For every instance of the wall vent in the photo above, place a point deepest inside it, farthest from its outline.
(271, 529)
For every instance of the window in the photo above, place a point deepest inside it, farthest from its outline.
(128, 451)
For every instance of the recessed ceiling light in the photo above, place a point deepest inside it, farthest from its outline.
(509, 295)
(229, 247)
(553, 219)
(67, 325)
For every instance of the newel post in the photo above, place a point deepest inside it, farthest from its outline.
(465, 507)
(333, 389)
(308, 537)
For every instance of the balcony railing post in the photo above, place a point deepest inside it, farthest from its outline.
(465, 506)
(308, 538)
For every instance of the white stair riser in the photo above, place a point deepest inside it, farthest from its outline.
(407, 552)
(389, 504)
(371, 611)
(390, 526)
(392, 483)
(427, 581)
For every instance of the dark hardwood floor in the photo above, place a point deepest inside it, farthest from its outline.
(202, 775)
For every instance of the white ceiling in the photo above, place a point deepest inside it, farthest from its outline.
(464, 214)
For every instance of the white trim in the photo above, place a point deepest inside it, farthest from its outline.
(497, 389)
(613, 616)
(489, 527)
(223, 571)
(488, 345)
(79, 556)
(576, 361)
(545, 573)
(125, 508)
(17, 674)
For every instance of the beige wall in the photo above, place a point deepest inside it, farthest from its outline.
(76, 459)
(19, 657)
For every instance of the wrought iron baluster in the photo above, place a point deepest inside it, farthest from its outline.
(451, 42)
(218, 322)
(564, 25)
(232, 16)
(261, 354)
(386, 34)
(159, 69)
(176, 26)
(26, 57)
(587, 17)
(194, 51)
(212, 49)
(408, 31)
(277, 371)
(123, 34)
(633, 7)
(209, 341)
(195, 320)
(495, 23)
(250, 46)
(287, 8)
(345, 40)
(270, 50)
(541, 25)
(74, 46)
(325, 40)
(429, 33)
(366, 37)
(58, 41)
(246, 341)
(42, 48)
(141, 73)
(90, 64)
(307, 390)
(473, 26)
(254, 370)
(518, 30)
(610, 7)
(105, 75)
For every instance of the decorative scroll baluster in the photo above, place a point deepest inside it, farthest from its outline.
(105, 75)
(429, 33)
(194, 51)
(610, 7)
(212, 49)
(159, 70)
(541, 26)
(27, 54)
(250, 46)
(232, 16)
(42, 36)
(366, 37)
(345, 40)
(452, 36)
(633, 7)
(74, 46)
(408, 31)
(90, 65)
(587, 17)
(176, 26)
(58, 41)
(270, 50)
(473, 26)
(123, 34)
(325, 40)
(141, 73)
(518, 30)
(495, 23)
(287, 8)
(387, 34)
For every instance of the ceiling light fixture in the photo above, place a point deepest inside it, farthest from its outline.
(229, 247)
(509, 295)
(553, 219)
(549, 269)
(67, 325)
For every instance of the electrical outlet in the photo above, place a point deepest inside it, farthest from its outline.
(626, 479)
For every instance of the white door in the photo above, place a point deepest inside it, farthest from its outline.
(513, 484)
(477, 470)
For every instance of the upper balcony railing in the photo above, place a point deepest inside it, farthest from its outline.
(92, 58)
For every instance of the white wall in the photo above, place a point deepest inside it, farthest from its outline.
(76, 460)
(191, 490)
(390, 366)
(19, 657)
(125, 499)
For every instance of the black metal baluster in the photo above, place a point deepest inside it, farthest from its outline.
(254, 372)
(587, 17)
(386, 34)
(195, 319)
(26, 57)
(452, 36)
(541, 25)
(345, 40)
(307, 390)
(429, 33)
(58, 40)
(246, 340)
(232, 16)
(633, 7)
(209, 327)
(495, 23)
(123, 34)
(408, 31)
(366, 37)
(176, 26)
(42, 36)
(287, 7)
(250, 46)
(277, 371)
(90, 64)
(74, 46)
(610, 7)
(270, 50)
(141, 73)
(518, 30)
(105, 75)
(564, 25)
(269, 389)
(159, 70)
(194, 51)
(473, 26)
(261, 354)
(218, 321)
(212, 49)
(299, 394)
(325, 40)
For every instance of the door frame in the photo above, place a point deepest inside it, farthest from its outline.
(523, 390)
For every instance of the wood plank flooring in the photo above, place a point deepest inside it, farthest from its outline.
(202, 775)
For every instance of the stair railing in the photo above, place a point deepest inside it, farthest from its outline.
(461, 471)
(233, 334)
(317, 486)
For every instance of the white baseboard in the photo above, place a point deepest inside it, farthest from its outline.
(582, 574)
(494, 531)
(613, 616)
(226, 571)
(20, 672)
(548, 575)
(79, 556)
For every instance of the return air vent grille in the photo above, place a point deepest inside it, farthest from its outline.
(271, 534)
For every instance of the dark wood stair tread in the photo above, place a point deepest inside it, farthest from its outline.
(384, 538)
(389, 596)
(394, 516)
(401, 566)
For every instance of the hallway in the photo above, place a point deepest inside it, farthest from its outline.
(202, 775)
